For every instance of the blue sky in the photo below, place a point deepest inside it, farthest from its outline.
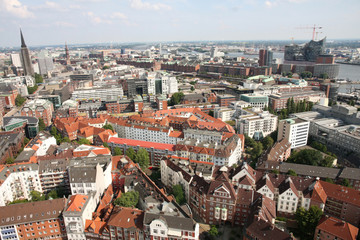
(96, 21)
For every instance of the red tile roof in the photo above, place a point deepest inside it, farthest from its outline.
(341, 193)
(76, 203)
(338, 228)
(143, 144)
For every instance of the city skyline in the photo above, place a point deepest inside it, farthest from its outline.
(104, 21)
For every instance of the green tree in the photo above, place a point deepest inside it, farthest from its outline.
(327, 161)
(306, 156)
(52, 194)
(36, 196)
(256, 151)
(9, 160)
(117, 151)
(105, 67)
(289, 74)
(53, 131)
(105, 144)
(275, 171)
(192, 88)
(26, 141)
(33, 89)
(213, 231)
(42, 125)
(345, 182)
(324, 76)
(128, 199)
(66, 139)
(307, 221)
(329, 180)
(291, 173)
(108, 126)
(38, 78)
(84, 141)
(19, 100)
(176, 98)
(130, 153)
(142, 157)
(178, 193)
(249, 142)
(267, 142)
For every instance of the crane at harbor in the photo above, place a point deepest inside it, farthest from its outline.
(313, 28)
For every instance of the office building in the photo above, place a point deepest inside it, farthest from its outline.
(15, 60)
(105, 94)
(295, 130)
(265, 57)
(255, 100)
(45, 62)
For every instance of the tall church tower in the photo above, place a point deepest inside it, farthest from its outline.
(67, 55)
(25, 57)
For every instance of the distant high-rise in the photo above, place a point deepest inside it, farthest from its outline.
(45, 62)
(67, 55)
(213, 52)
(265, 57)
(25, 58)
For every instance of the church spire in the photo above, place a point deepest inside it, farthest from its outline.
(22, 39)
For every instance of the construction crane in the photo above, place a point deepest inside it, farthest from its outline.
(313, 28)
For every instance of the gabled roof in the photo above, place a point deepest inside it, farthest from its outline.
(338, 228)
(127, 218)
(76, 203)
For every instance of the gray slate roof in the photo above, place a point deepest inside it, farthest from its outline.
(171, 221)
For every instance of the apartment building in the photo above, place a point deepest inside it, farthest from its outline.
(90, 175)
(53, 171)
(77, 209)
(126, 223)
(295, 130)
(39, 108)
(156, 150)
(225, 114)
(33, 220)
(256, 125)
(334, 228)
(17, 181)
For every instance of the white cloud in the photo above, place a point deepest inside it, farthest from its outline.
(270, 4)
(64, 24)
(96, 19)
(118, 15)
(139, 4)
(15, 8)
(274, 3)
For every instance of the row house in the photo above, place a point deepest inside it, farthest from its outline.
(176, 170)
(33, 220)
(334, 228)
(11, 143)
(77, 209)
(90, 175)
(228, 153)
(122, 166)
